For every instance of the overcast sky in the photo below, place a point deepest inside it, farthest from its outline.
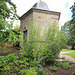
(62, 6)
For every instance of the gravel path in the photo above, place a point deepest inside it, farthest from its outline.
(67, 57)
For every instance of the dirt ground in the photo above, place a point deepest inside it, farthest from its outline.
(6, 51)
(60, 71)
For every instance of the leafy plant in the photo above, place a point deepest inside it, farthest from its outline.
(71, 62)
(22, 72)
(57, 63)
(54, 42)
(7, 63)
(30, 71)
(53, 68)
(65, 65)
(34, 52)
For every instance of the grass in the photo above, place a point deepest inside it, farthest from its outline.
(71, 54)
(64, 50)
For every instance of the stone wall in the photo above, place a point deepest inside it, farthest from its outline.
(44, 19)
(39, 18)
(25, 22)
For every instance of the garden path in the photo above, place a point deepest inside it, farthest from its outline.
(67, 57)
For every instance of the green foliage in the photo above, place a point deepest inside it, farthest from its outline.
(22, 72)
(66, 27)
(7, 11)
(30, 71)
(4, 60)
(71, 63)
(13, 35)
(57, 63)
(54, 42)
(73, 12)
(2, 26)
(36, 52)
(53, 68)
(10, 36)
(72, 27)
(65, 65)
(7, 63)
(38, 67)
(33, 51)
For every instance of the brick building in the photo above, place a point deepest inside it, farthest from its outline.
(39, 15)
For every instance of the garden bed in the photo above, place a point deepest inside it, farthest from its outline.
(60, 71)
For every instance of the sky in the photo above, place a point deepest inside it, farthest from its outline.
(62, 6)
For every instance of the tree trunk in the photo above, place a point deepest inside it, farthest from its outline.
(73, 46)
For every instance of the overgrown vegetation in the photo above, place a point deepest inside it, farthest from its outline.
(64, 65)
(53, 68)
(34, 53)
(69, 26)
(7, 11)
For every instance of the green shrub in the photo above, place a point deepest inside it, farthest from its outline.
(33, 52)
(23, 72)
(65, 65)
(7, 63)
(11, 58)
(54, 42)
(57, 63)
(71, 63)
(53, 68)
(30, 71)
(39, 69)
(35, 48)
(4, 60)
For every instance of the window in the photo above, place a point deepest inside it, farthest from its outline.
(25, 36)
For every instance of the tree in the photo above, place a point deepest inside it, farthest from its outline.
(72, 27)
(7, 11)
(66, 26)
